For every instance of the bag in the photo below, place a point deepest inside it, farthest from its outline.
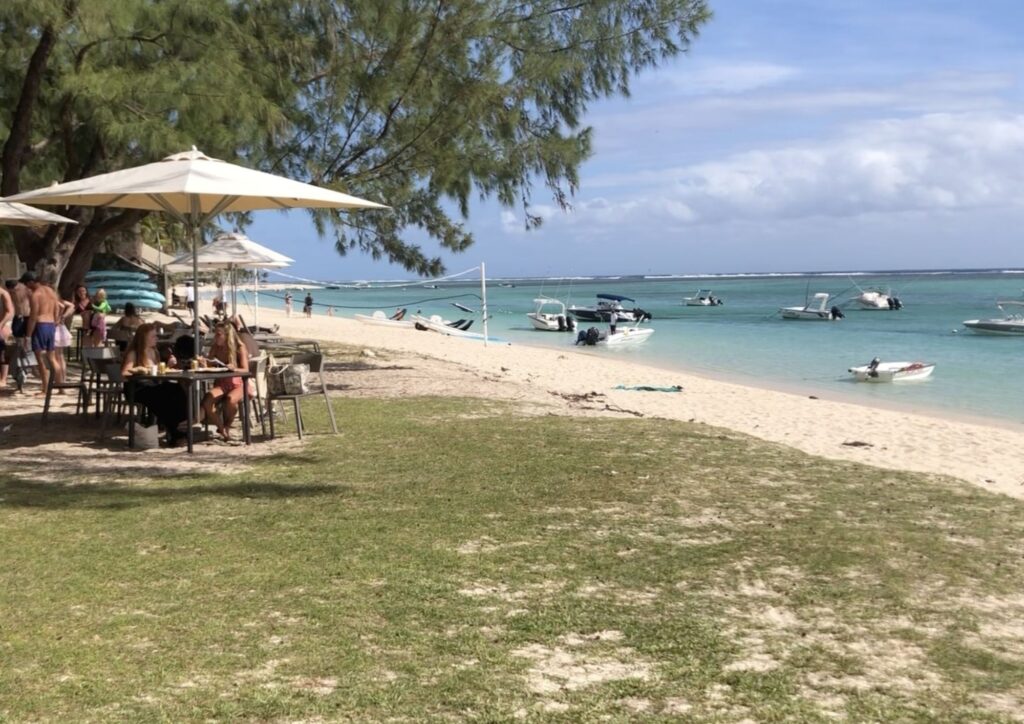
(61, 336)
(289, 379)
(146, 438)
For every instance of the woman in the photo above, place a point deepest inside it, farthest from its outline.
(82, 304)
(227, 349)
(62, 340)
(165, 400)
(124, 329)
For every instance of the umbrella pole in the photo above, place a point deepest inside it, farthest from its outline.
(256, 299)
(234, 291)
(195, 287)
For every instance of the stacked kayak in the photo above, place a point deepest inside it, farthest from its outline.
(123, 287)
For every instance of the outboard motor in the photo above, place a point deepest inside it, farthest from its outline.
(641, 316)
(589, 337)
(896, 303)
(835, 313)
(873, 367)
(561, 323)
(570, 324)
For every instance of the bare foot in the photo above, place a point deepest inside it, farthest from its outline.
(224, 433)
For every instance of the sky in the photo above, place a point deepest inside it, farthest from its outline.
(796, 135)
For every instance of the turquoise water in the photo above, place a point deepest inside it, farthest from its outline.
(975, 374)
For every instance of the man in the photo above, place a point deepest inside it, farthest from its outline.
(190, 297)
(307, 305)
(6, 315)
(44, 311)
(21, 297)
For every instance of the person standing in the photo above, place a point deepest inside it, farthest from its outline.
(6, 315)
(287, 304)
(41, 328)
(307, 305)
(22, 299)
(190, 297)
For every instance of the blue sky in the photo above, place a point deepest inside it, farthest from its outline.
(796, 135)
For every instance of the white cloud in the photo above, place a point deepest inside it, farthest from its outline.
(930, 162)
(725, 77)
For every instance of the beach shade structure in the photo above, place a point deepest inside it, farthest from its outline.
(193, 188)
(232, 251)
(15, 214)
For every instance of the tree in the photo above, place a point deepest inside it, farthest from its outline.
(422, 105)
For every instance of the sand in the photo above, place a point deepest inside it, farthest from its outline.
(988, 455)
(578, 382)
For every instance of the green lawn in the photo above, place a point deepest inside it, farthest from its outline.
(451, 559)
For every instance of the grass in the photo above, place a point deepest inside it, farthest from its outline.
(446, 558)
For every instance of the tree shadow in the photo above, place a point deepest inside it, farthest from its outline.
(119, 496)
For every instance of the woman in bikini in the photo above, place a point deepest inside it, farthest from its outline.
(228, 350)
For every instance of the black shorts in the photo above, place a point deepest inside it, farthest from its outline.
(19, 327)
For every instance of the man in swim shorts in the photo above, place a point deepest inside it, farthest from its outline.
(42, 325)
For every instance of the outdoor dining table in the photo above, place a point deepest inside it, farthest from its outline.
(189, 378)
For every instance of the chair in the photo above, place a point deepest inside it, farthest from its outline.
(315, 360)
(82, 400)
(258, 370)
(109, 390)
(89, 378)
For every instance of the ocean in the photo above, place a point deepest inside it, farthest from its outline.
(746, 340)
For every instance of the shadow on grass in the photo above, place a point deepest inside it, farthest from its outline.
(38, 494)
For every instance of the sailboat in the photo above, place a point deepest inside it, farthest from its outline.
(817, 310)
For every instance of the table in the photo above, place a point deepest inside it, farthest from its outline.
(189, 378)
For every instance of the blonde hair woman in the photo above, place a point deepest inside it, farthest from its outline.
(229, 350)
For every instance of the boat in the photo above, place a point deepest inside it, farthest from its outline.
(615, 336)
(1010, 324)
(381, 319)
(458, 328)
(878, 371)
(551, 321)
(878, 300)
(609, 305)
(820, 312)
(703, 298)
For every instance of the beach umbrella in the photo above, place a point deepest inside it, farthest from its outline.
(232, 251)
(193, 188)
(15, 214)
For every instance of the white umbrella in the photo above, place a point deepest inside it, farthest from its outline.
(193, 188)
(15, 214)
(233, 251)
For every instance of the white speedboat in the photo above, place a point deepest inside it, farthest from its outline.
(609, 306)
(435, 323)
(703, 298)
(550, 316)
(817, 310)
(614, 337)
(878, 371)
(380, 319)
(1011, 324)
(877, 300)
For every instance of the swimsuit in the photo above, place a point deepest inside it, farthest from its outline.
(43, 337)
(19, 325)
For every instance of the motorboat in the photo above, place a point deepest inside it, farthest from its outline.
(703, 298)
(817, 310)
(877, 300)
(609, 306)
(381, 319)
(878, 371)
(615, 336)
(459, 328)
(550, 316)
(1012, 323)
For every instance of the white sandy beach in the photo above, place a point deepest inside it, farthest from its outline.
(990, 456)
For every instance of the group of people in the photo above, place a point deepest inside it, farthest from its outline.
(165, 399)
(34, 318)
(307, 305)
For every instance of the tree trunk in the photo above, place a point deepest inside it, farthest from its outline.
(77, 258)
(17, 145)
